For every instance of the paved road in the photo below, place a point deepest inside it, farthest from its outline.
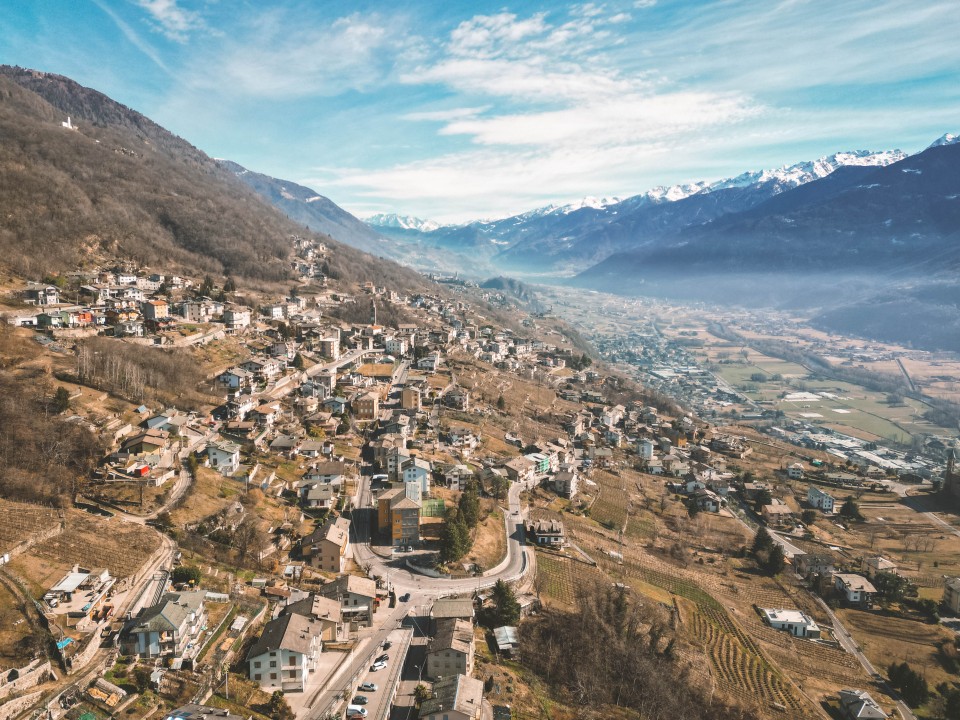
(850, 645)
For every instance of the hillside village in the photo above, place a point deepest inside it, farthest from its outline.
(348, 502)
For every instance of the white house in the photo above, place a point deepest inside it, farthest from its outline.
(224, 456)
(236, 318)
(795, 471)
(417, 470)
(794, 622)
(286, 653)
(856, 589)
(820, 499)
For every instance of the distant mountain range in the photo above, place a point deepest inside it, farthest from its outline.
(573, 237)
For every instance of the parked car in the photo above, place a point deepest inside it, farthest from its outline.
(356, 711)
(360, 700)
(382, 658)
(377, 666)
(404, 597)
(387, 644)
(367, 687)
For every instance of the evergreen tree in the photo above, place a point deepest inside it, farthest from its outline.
(850, 509)
(298, 362)
(61, 400)
(454, 538)
(469, 505)
(506, 605)
(775, 560)
(761, 541)
(279, 707)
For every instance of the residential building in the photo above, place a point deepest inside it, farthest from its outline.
(855, 589)
(357, 597)
(410, 398)
(519, 469)
(398, 515)
(286, 653)
(795, 471)
(548, 533)
(236, 318)
(877, 564)
(451, 650)
(192, 711)
(820, 499)
(951, 595)
(323, 610)
(224, 456)
(317, 496)
(366, 406)
(809, 564)
(329, 347)
(454, 698)
(328, 473)
(794, 622)
(566, 483)
(858, 705)
(328, 547)
(777, 513)
(167, 628)
(416, 470)
(155, 310)
(451, 608)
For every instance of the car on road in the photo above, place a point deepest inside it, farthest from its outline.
(382, 658)
(404, 597)
(409, 548)
(377, 666)
(367, 687)
(360, 700)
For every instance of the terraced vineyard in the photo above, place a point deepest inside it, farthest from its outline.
(19, 521)
(559, 577)
(93, 542)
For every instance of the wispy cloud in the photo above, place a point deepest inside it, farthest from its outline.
(559, 113)
(132, 36)
(172, 20)
(274, 56)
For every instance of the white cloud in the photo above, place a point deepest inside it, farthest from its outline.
(446, 115)
(132, 37)
(644, 4)
(280, 58)
(172, 20)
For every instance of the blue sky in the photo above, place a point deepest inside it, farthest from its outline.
(461, 110)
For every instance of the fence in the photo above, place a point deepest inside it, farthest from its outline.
(432, 507)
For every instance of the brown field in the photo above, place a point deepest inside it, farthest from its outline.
(19, 521)
(88, 541)
(489, 537)
(211, 493)
(15, 631)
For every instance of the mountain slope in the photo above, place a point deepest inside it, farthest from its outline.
(119, 186)
(903, 218)
(303, 205)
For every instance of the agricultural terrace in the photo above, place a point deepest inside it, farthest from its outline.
(693, 566)
(89, 541)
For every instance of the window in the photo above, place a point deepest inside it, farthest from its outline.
(273, 676)
(273, 663)
(256, 664)
(257, 677)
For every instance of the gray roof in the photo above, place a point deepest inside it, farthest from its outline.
(452, 608)
(288, 632)
(314, 606)
(458, 693)
(201, 712)
(858, 704)
(352, 584)
(452, 634)
(169, 614)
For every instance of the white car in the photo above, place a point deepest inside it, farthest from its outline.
(379, 665)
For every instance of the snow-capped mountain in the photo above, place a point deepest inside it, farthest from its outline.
(791, 176)
(945, 139)
(402, 222)
(569, 237)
